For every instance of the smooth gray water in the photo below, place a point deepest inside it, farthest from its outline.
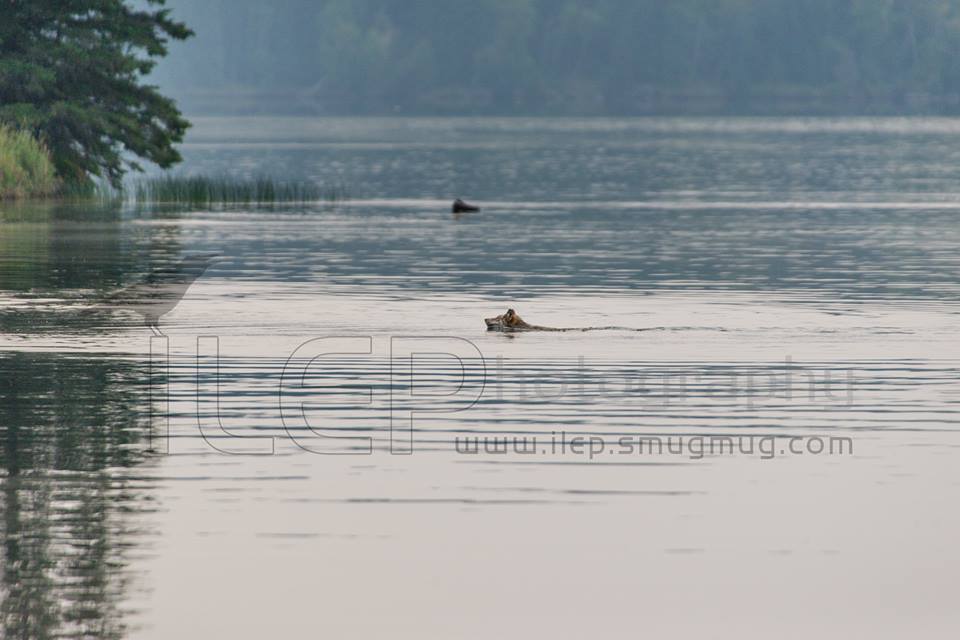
(796, 282)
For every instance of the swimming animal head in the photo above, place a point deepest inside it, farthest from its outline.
(509, 321)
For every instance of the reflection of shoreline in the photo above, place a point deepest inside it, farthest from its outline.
(59, 259)
(68, 442)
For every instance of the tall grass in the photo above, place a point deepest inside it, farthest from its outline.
(25, 167)
(26, 171)
(91, 191)
(202, 191)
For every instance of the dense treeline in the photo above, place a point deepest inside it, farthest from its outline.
(71, 76)
(569, 56)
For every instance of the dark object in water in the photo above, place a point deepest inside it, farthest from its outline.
(459, 206)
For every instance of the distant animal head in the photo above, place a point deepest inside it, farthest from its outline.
(459, 206)
(509, 321)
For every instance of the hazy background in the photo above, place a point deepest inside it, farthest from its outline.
(566, 57)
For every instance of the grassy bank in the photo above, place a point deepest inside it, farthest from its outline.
(25, 167)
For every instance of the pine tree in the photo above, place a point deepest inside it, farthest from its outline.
(72, 72)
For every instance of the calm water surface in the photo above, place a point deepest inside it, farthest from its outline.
(773, 452)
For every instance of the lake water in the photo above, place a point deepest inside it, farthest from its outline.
(329, 442)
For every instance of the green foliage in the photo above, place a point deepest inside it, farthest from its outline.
(71, 71)
(570, 56)
(25, 166)
(202, 191)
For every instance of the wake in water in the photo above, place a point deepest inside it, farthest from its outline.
(511, 321)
